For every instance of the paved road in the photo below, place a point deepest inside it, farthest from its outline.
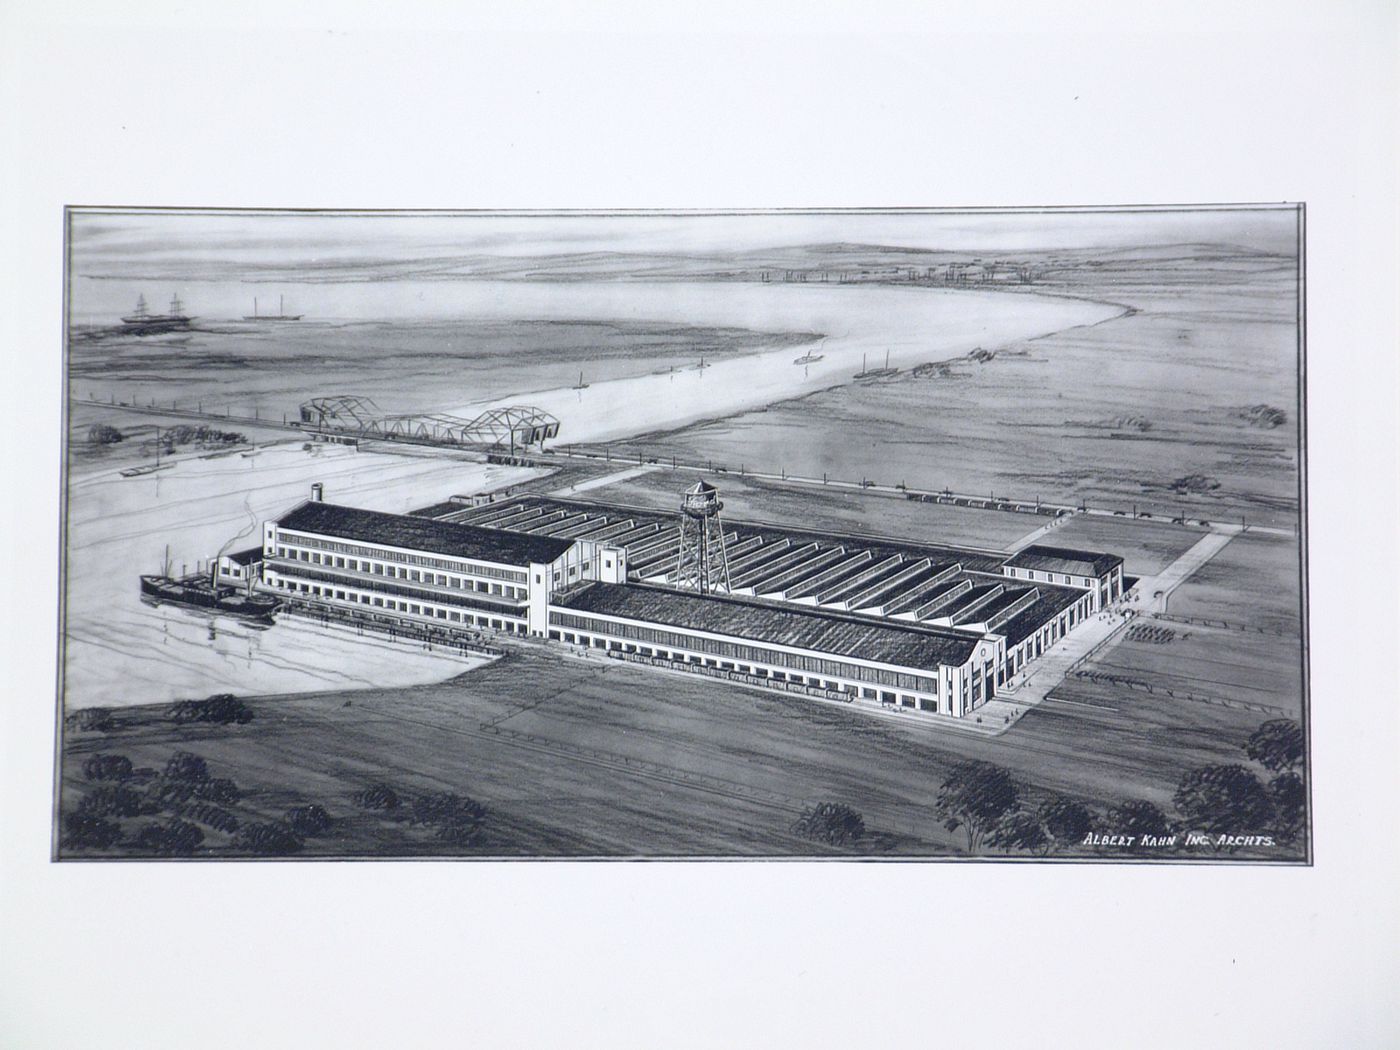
(1155, 590)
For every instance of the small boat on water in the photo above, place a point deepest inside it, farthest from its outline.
(147, 468)
(876, 373)
(700, 366)
(808, 358)
(580, 385)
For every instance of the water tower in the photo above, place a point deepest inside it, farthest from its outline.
(703, 565)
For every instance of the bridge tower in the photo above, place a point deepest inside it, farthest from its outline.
(703, 565)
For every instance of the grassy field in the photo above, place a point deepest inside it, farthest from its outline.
(1253, 582)
(595, 758)
(1145, 546)
(1255, 668)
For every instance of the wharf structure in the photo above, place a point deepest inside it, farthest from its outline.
(931, 628)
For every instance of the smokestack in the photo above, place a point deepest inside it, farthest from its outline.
(318, 492)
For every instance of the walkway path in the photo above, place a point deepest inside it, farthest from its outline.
(1035, 537)
(1155, 590)
(606, 479)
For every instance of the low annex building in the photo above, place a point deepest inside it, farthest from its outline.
(930, 628)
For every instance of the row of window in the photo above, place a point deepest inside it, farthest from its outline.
(400, 572)
(1048, 577)
(766, 674)
(1049, 634)
(751, 653)
(469, 599)
(412, 608)
(340, 547)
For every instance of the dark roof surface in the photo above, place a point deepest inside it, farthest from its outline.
(423, 534)
(973, 560)
(1063, 559)
(922, 648)
(1052, 602)
(247, 557)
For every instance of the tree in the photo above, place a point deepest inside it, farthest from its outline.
(1290, 800)
(1065, 820)
(176, 838)
(93, 720)
(1019, 830)
(187, 768)
(103, 434)
(1277, 745)
(308, 820)
(377, 796)
(457, 819)
(210, 816)
(86, 832)
(1224, 799)
(219, 790)
(275, 839)
(111, 800)
(1139, 818)
(107, 767)
(831, 822)
(222, 709)
(974, 797)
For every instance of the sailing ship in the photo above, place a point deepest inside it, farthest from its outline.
(280, 315)
(202, 592)
(876, 373)
(580, 385)
(808, 358)
(700, 366)
(142, 322)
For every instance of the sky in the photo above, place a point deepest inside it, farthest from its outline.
(118, 244)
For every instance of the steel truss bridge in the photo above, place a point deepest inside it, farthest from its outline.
(513, 427)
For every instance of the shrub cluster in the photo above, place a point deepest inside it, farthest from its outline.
(107, 767)
(222, 709)
(308, 821)
(454, 818)
(112, 800)
(208, 815)
(174, 838)
(88, 832)
(187, 768)
(377, 797)
(831, 822)
(92, 720)
(272, 839)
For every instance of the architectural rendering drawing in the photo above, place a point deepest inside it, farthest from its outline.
(900, 535)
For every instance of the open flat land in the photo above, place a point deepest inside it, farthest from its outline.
(1213, 663)
(1254, 582)
(591, 757)
(1114, 413)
